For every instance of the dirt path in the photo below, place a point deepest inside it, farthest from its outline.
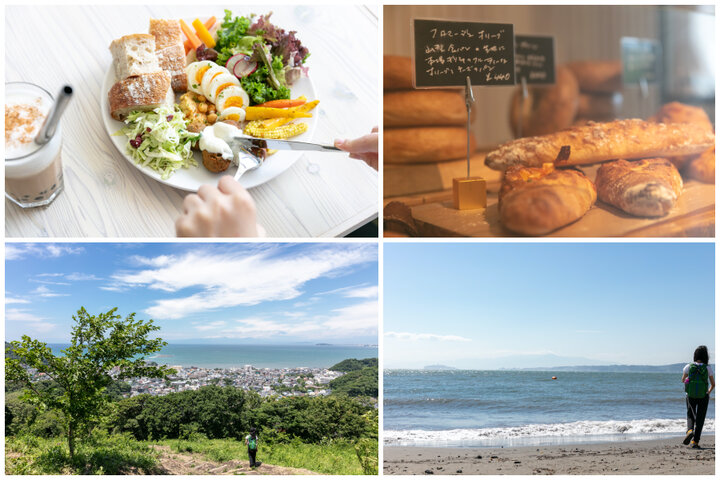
(173, 463)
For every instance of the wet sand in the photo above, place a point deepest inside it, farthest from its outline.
(655, 457)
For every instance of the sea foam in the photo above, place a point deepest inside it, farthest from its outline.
(544, 434)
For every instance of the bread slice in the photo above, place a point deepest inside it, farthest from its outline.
(166, 32)
(134, 55)
(170, 50)
(141, 92)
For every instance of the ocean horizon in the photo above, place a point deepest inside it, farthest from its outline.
(260, 356)
(485, 408)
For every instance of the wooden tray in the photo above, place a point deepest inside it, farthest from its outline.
(692, 216)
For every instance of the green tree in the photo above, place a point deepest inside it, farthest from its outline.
(102, 347)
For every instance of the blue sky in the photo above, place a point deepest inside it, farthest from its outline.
(198, 293)
(490, 305)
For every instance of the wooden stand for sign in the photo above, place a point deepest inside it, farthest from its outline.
(469, 193)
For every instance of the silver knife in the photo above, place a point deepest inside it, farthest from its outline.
(250, 143)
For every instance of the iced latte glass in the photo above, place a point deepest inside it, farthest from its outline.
(33, 173)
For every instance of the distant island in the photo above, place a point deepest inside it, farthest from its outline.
(439, 367)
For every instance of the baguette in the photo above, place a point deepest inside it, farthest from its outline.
(676, 112)
(142, 92)
(134, 55)
(424, 108)
(536, 201)
(645, 188)
(600, 142)
(425, 144)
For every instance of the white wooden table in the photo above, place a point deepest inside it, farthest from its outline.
(321, 195)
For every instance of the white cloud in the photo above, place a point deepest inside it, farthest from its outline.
(363, 292)
(81, 277)
(43, 291)
(232, 279)
(16, 251)
(29, 320)
(359, 319)
(10, 300)
(414, 337)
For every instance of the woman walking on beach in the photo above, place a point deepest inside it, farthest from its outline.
(699, 382)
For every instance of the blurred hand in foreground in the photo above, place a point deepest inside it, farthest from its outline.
(227, 210)
(364, 148)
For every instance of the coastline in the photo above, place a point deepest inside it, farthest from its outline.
(653, 457)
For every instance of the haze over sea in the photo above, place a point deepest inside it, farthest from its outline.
(260, 356)
(473, 408)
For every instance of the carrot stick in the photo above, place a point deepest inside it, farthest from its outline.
(284, 103)
(210, 22)
(194, 40)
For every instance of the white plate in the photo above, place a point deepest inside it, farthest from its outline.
(191, 178)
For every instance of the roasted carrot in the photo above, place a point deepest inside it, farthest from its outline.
(208, 24)
(284, 103)
(192, 38)
(203, 33)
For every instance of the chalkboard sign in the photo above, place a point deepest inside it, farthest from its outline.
(448, 52)
(535, 59)
(640, 60)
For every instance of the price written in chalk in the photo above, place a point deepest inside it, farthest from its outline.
(448, 52)
(535, 59)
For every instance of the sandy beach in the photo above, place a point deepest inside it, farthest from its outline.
(667, 456)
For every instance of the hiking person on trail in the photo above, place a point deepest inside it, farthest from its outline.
(699, 382)
(252, 443)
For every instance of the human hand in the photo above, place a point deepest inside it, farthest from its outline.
(364, 148)
(227, 210)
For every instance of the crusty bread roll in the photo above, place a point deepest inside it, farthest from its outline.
(597, 76)
(600, 142)
(142, 92)
(599, 106)
(397, 73)
(170, 50)
(676, 112)
(134, 55)
(646, 188)
(536, 201)
(548, 108)
(425, 144)
(703, 167)
(417, 108)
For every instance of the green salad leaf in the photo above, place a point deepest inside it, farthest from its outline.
(159, 139)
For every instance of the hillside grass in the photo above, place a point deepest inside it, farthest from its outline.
(122, 455)
(99, 454)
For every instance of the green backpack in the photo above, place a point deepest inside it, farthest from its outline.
(252, 443)
(697, 385)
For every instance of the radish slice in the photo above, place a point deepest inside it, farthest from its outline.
(233, 60)
(243, 66)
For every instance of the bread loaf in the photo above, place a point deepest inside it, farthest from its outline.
(703, 167)
(415, 108)
(548, 108)
(600, 142)
(676, 112)
(646, 188)
(134, 55)
(141, 92)
(425, 144)
(597, 76)
(536, 201)
(397, 73)
(170, 50)
(599, 106)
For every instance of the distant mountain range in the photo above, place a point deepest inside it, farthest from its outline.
(671, 368)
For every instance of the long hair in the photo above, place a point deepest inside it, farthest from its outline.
(701, 355)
